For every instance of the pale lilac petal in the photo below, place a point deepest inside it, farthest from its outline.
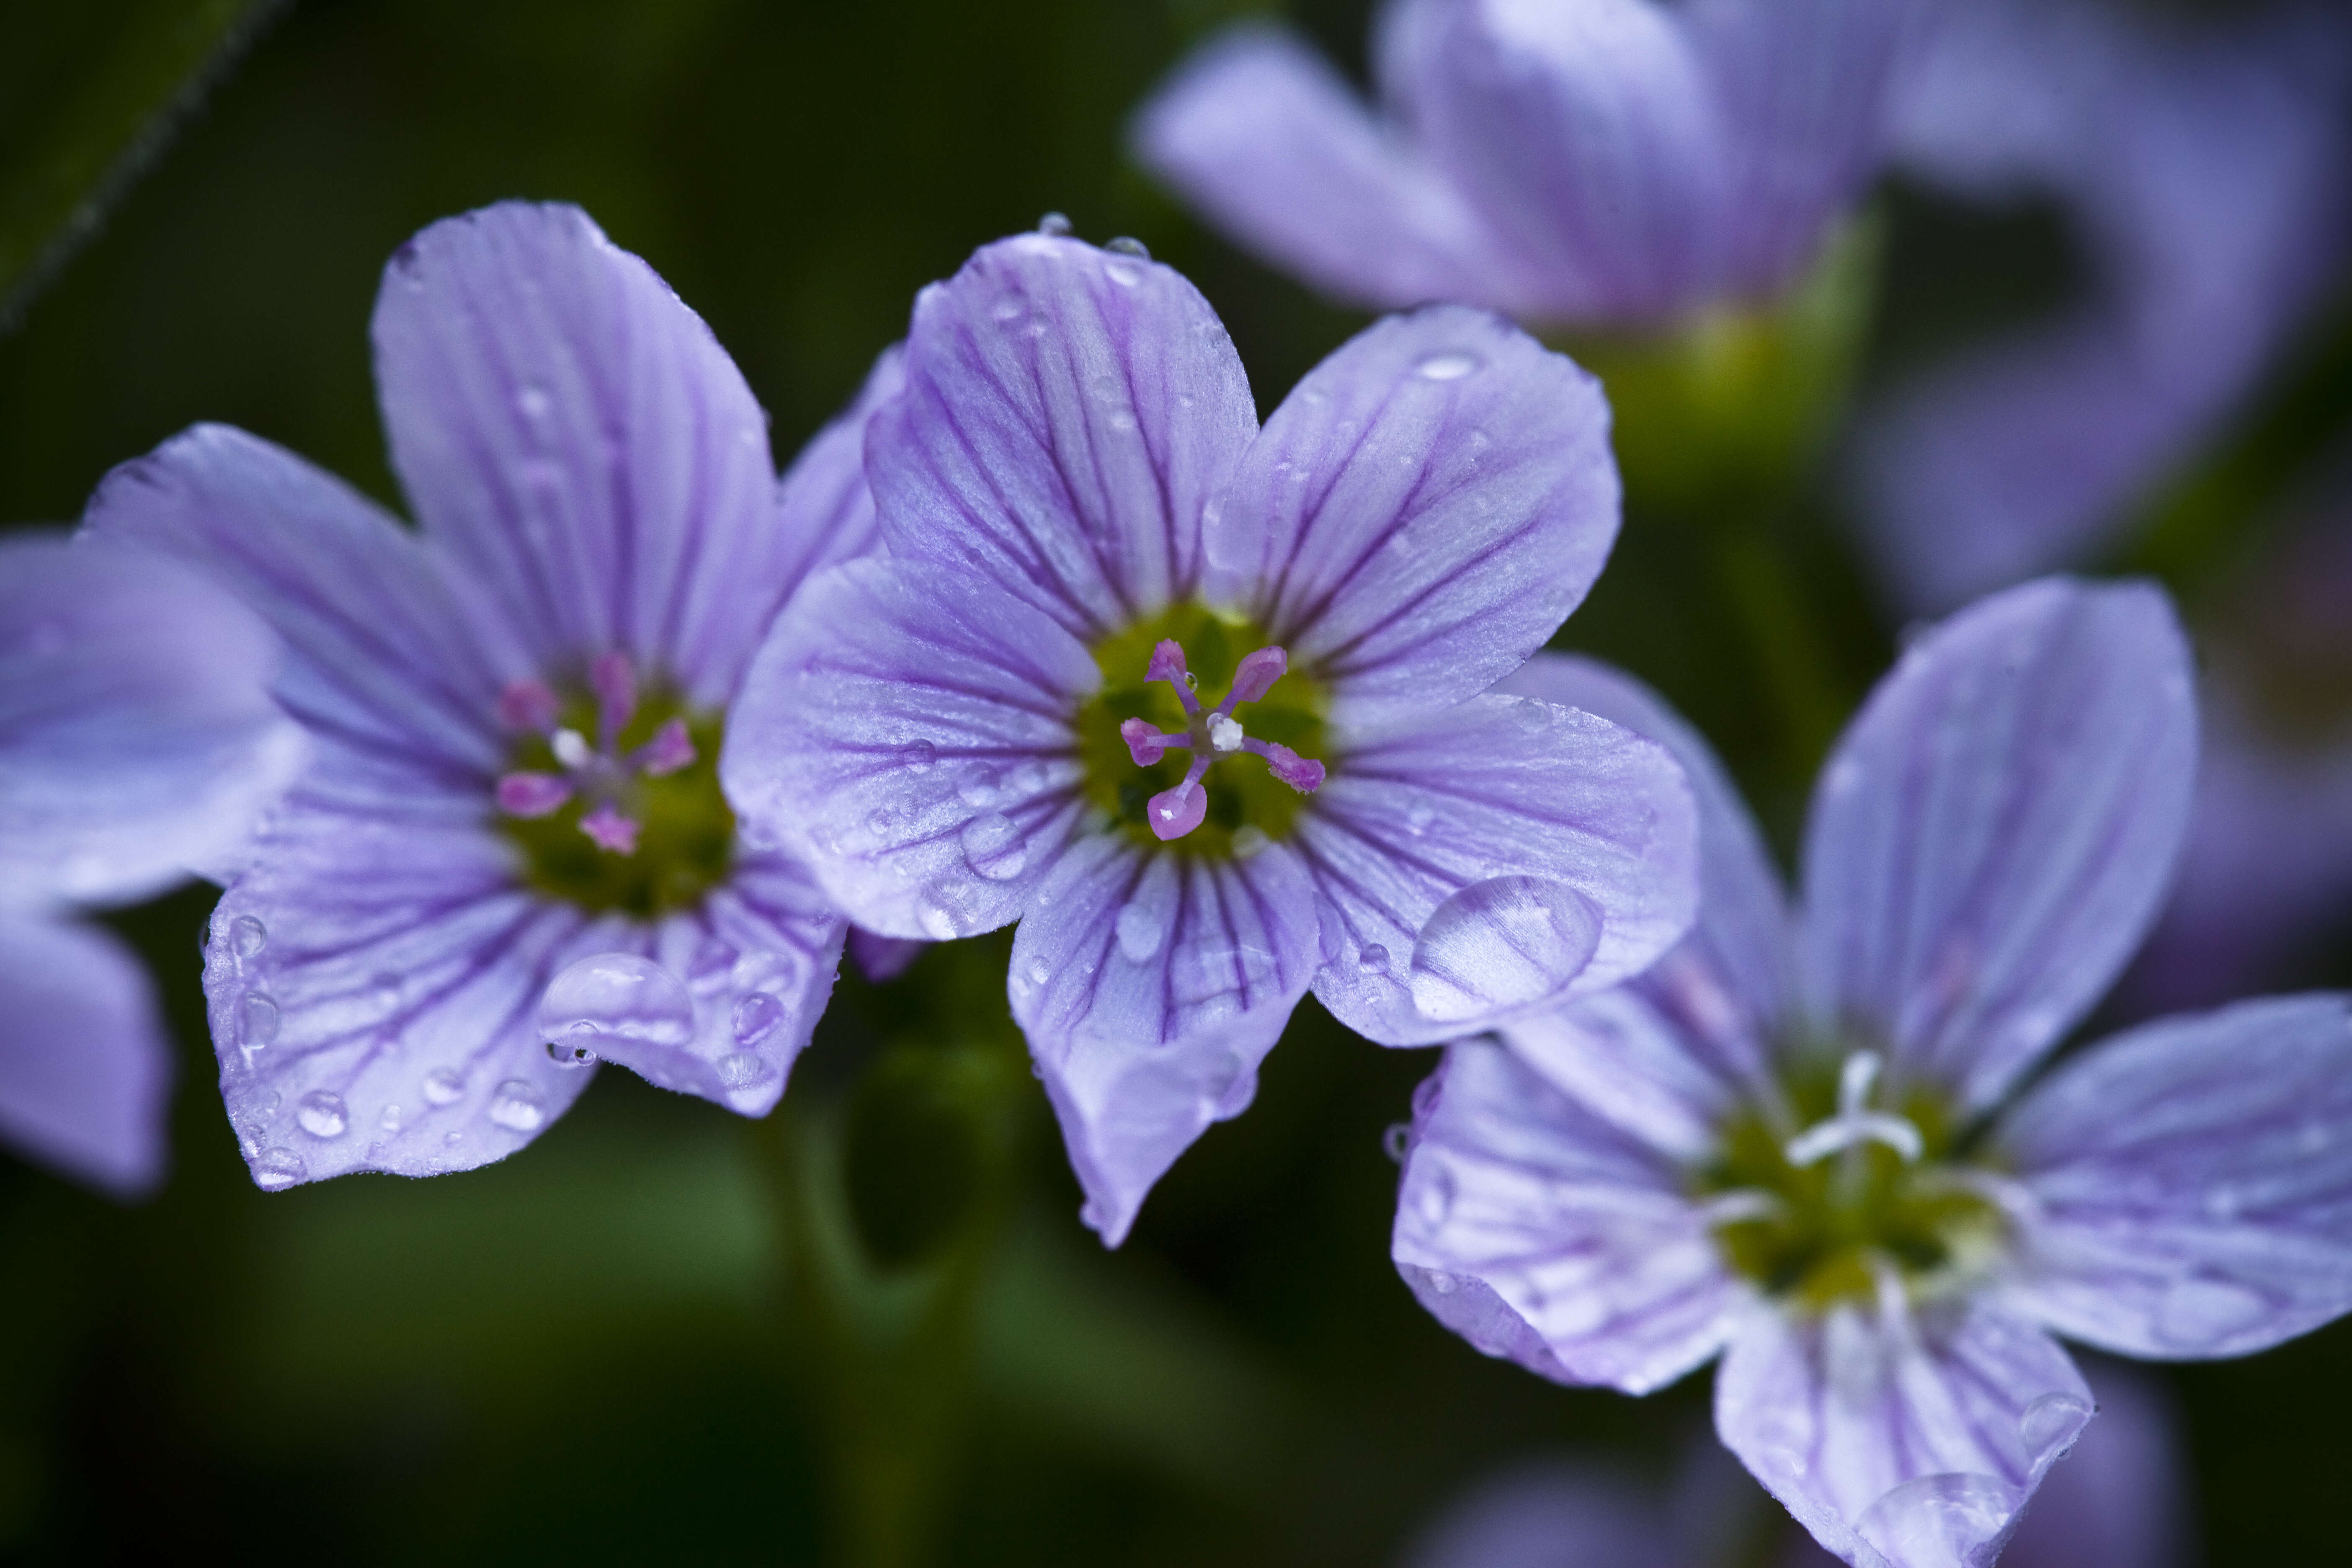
(1899, 1442)
(1588, 134)
(825, 508)
(1421, 512)
(882, 958)
(1268, 141)
(138, 739)
(905, 732)
(578, 441)
(1151, 985)
(2119, 1499)
(1589, 828)
(1993, 834)
(388, 659)
(2190, 1182)
(85, 1070)
(1539, 1231)
(1549, 1515)
(1068, 414)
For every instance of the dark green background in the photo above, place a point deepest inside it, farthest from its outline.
(598, 1350)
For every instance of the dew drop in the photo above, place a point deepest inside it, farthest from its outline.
(1054, 225)
(390, 1120)
(577, 1049)
(531, 403)
(1450, 365)
(756, 1017)
(919, 754)
(2205, 1314)
(992, 847)
(517, 1107)
(384, 992)
(1127, 245)
(321, 1114)
(979, 788)
(247, 936)
(443, 1087)
(609, 998)
(744, 1069)
(1434, 1200)
(1507, 942)
(2050, 1423)
(1140, 932)
(275, 1169)
(1445, 1284)
(1374, 959)
(1417, 816)
(1939, 1519)
(1396, 1141)
(1122, 419)
(257, 1020)
(252, 1105)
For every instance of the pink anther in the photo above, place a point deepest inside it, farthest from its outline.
(532, 795)
(1301, 773)
(1173, 813)
(1145, 745)
(670, 749)
(612, 831)
(1254, 677)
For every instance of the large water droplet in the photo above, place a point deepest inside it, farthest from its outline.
(992, 847)
(1451, 364)
(443, 1087)
(574, 1050)
(2205, 1314)
(1141, 932)
(1501, 943)
(756, 1017)
(321, 1114)
(247, 936)
(257, 1020)
(517, 1107)
(613, 998)
(275, 1169)
(2051, 1422)
(1939, 1520)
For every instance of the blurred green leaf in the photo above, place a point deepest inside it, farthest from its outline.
(90, 90)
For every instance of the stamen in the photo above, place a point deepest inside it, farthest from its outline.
(670, 750)
(528, 706)
(1855, 1125)
(611, 830)
(1173, 813)
(532, 795)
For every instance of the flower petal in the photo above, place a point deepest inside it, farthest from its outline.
(1539, 1231)
(1551, 1515)
(2118, 1501)
(1152, 985)
(85, 1072)
(2191, 1182)
(137, 735)
(1586, 132)
(1993, 834)
(578, 441)
(1899, 1442)
(1424, 510)
(388, 659)
(1068, 414)
(825, 508)
(1260, 133)
(1580, 819)
(905, 731)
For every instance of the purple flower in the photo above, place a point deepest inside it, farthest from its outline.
(1591, 161)
(1801, 1141)
(138, 742)
(2117, 1502)
(512, 856)
(2204, 169)
(1086, 529)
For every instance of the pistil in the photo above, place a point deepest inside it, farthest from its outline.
(1855, 1123)
(1208, 735)
(602, 773)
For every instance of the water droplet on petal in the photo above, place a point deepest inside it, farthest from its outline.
(2205, 1314)
(613, 997)
(1396, 1141)
(1939, 1519)
(384, 992)
(1054, 223)
(275, 1169)
(517, 1107)
(531, 403)
(1434, 1199)
(919, 754)
(756, 1017)
(744, 1069)
(992, 847)
(443, 1087)
(390, 1120)
(1374, 959)
(2051, 1422)
(979, 788)
(257, 1020)
(1451, 364)
(1127, 245)
(577, 1049)
(1498, 945)
(321, 1114)
(247, 936)
(1140, 932)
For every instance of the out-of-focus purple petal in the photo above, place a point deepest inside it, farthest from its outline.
(1805, 90)
(826, 510)
(388, 659)
(84, 1070)
(1899, 1442)
(1068, 414)
(138, 739)
(581, 443)
(2191, 1183)
(1575, 813)
(1587, 133)
(2119, 1499)
(2205, 169)
(1556, 1514)
(1541, 1232)
(1993, 834)
(882, 958)
(1151, 985)
(905, 730)
(1424, 510)
(1263, 137)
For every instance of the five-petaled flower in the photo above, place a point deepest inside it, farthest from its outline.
(138, 743)
(998, 719)
(1619, 161)
(1817, 1144)
(511, 854)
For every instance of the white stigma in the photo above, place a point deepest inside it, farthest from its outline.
(570, 748)
(1854, 1123)
(1224, 732)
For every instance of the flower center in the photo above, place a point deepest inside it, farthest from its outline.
(1216, 781)
(632, 820)
(1858, 1196)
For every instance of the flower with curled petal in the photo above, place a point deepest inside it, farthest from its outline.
(1201, 705)
(138, 743)
(511, 857)
(1830, 1146)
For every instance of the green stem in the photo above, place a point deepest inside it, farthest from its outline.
(1799, 676)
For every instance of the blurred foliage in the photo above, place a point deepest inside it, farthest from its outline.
(872, 1326)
